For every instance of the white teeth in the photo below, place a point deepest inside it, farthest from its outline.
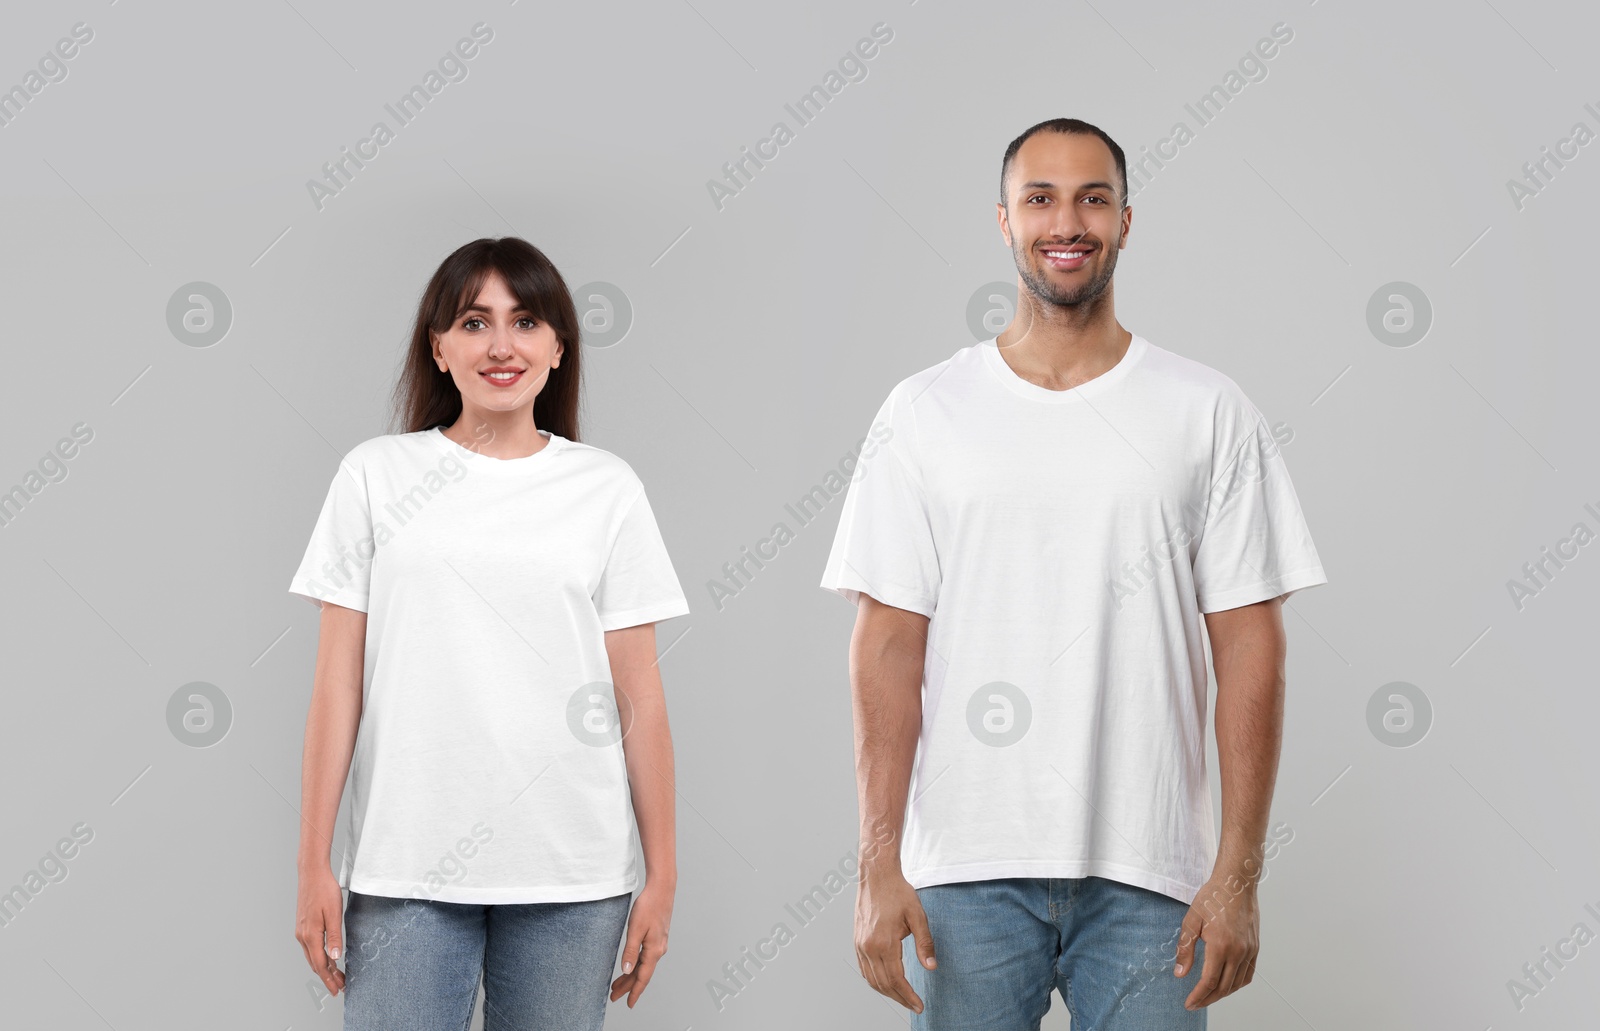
(502, 375)
(1065, 254)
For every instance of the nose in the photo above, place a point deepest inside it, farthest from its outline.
(1067, 224)
(1071, 227)
(499, 343)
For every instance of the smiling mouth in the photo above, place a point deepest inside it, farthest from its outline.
(503, 379)
(1067, 259)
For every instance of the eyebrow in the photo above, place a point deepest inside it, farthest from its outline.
(1040, 184)
(487, 311)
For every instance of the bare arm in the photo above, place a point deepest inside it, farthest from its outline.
(887, 650)
(331, 724)
(647, 749)
(886, 656)
(1247, 651)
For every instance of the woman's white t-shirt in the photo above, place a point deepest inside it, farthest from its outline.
(1065, 545)
(489, 766)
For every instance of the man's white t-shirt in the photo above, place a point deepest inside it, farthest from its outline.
(489, 767)
(1064, 545)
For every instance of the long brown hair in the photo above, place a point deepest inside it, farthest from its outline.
(426, 397)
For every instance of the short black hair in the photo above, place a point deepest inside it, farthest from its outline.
(1066, 127)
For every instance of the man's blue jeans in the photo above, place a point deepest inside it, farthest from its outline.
(1002, 945)
(415, 963)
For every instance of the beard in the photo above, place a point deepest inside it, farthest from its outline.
(1046, 291)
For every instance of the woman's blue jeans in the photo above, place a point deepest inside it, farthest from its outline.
(1003, 945)
(414, 964)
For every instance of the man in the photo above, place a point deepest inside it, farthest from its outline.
(1035, 529)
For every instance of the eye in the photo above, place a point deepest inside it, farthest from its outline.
(1038, 196)
(530, 320)
(470, 320)
(1092, 196)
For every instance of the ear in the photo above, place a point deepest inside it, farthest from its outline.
(1005, 223)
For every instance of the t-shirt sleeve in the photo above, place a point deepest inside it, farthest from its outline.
(337, 565)
(884, 546)
(638, 584)
(1255, 544)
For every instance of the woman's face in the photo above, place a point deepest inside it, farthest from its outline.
(496, 335)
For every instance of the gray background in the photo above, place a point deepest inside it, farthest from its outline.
(1377, 149)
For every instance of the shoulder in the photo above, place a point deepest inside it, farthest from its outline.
(604, 465)
(390, 447)
(1194, 381)
(376, 450)
(937, 379)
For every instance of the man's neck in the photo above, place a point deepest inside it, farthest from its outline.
(1059, 356)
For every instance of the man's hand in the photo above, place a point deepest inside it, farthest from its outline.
(1225, 916)
(887, 909)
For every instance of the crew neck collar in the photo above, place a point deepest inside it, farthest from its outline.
(490, 464)
(1034, 392)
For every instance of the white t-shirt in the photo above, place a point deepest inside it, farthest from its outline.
(1065, 544)
(489, 766)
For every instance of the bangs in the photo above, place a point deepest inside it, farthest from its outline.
(524, 290)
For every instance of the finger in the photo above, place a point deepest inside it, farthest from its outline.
(651, 949)
(1210, 977)
(1228, 981)
(1185, 957)
(923, 937)
(650, 955)
(333, 921)
(878, 975)
(310, 938)
(894, 979)
(332, 978)
(630, 949)
(869, 969)
(623, 985)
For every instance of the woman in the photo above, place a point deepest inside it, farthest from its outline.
(488, 588)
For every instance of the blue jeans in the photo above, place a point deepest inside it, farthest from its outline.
(414, 964)
(1002, 945)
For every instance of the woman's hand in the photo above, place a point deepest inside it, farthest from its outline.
(320, 912)
(646, 942)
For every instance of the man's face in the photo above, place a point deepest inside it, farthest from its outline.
(1063, 217)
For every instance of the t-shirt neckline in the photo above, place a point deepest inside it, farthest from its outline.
(502, 465)
(1034, 392)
